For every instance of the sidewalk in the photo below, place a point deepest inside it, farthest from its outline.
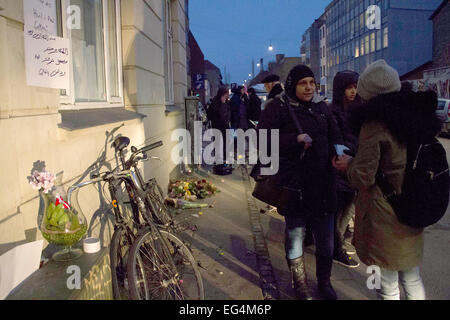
(234, 241)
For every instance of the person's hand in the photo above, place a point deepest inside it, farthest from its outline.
(306, 140)
(341, 163)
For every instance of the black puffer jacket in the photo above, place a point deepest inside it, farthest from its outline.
(314, 174)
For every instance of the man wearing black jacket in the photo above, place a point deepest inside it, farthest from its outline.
(272, 85)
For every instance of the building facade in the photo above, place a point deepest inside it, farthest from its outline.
(396, 30)
(197, 69)
(214, 78)
(441, 35)
(128, 76)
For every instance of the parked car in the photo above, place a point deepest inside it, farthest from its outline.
(443, 111)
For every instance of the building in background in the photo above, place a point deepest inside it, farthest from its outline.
(197, 69)
(441, 35)
(280, 67)
(403, 39)
(128, 76)
(214, 78)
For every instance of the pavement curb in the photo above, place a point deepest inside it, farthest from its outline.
(268, 283)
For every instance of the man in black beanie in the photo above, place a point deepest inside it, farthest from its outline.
(272, 85)
(305, 170)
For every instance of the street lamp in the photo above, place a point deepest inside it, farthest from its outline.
(270, 48)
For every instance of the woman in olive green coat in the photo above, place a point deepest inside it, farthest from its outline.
(387, 120)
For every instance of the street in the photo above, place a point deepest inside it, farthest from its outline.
(238, 264)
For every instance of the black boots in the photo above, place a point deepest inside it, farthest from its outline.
(323, 273)
(298, 276)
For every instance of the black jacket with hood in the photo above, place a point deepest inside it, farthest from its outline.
(276, 90)
(314, 173)
(220, 112)
(340, 83)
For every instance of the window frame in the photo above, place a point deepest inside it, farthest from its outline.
(168, 50)
(68, 101)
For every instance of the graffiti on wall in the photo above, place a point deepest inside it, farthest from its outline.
(437, 80)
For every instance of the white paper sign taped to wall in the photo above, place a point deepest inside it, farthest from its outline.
(47, 57)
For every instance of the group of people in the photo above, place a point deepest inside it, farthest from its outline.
(242, 111)
(334, 161)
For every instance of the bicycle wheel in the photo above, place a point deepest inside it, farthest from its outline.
(152, 274)
(191, 281)
(119, 250)
(155, 200)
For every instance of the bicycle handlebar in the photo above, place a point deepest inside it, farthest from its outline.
(145, 149)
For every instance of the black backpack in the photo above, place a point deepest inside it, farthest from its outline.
(425, 189)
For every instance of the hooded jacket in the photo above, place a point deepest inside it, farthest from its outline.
(276, 90)
(239, 104)
(314, 173)
(340, 83)
(220, 112)
(386, 125)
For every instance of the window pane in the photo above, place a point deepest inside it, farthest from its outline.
(168, 52)
(378, 39)
(372, 42)
(88, 53)
(361, 49)
(385, 37)
(113, 57)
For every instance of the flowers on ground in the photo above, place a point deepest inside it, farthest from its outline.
(192, 189)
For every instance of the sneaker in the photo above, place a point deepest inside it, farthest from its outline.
(344, 259)
(350, 251)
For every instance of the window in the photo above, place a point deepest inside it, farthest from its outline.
(385, 37)
(378, 40)
(372, 42)
(168, 58)
(366, 44)
(361, 48)
(96, 54)
(361, 20)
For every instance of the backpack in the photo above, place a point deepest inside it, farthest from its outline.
(425, 189)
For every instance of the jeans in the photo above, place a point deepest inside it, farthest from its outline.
(410, 280)
(322, 228)
(343, 217)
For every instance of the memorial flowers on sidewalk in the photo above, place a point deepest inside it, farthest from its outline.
(183, 194)
(192, 190)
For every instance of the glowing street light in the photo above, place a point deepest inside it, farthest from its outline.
(270, 48)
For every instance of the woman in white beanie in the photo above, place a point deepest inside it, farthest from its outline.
(388, 120)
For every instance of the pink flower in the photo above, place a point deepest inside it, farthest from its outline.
(44, 181)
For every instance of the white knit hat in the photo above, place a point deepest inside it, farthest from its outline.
(378, 78)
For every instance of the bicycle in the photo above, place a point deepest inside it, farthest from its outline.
(159, 215)
(149, 222)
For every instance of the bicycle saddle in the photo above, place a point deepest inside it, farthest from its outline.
(121, 143)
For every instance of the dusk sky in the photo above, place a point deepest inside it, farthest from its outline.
(233, 32)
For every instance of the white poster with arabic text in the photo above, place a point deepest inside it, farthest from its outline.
(47, 57)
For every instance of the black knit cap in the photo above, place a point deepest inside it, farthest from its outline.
(295, 75)
(271, 78)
